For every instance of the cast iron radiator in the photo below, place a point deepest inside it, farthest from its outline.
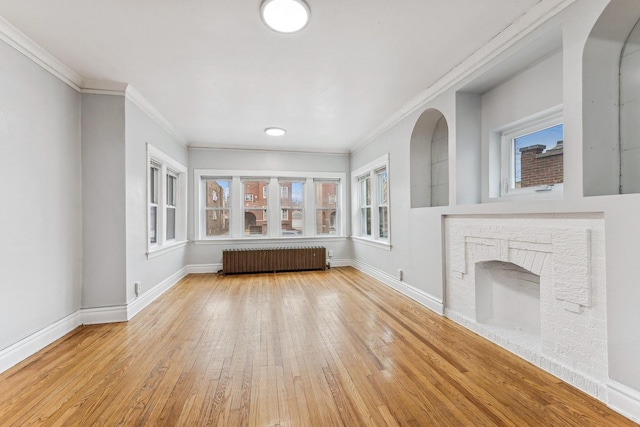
(236, 261)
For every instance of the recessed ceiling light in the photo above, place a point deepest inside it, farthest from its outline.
(285, 16)
(275, 131)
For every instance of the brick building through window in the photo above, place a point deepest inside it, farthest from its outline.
(540, 167)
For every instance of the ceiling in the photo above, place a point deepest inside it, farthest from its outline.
(220, 77)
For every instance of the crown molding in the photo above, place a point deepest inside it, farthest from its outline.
(23, 44)
(136, 97)
(515, 32)
(103, 87)
(255, 149)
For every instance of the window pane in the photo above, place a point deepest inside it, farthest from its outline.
(255, 222)
(365, 221)
(538, 158)
(217, 222)
(325, 221)
(153, 224)
(292, 204)
(217, 193)
(255, 207)
(384, 222)
(171, 190)
(365, 191)
(153, 185)
(171, 223)
(326, 204)
(383, 193)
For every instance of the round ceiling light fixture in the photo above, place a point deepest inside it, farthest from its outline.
(275, 131)
(285, 16)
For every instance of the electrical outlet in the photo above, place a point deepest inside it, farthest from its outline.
(400, 274)
(330, 252)
(137, 288)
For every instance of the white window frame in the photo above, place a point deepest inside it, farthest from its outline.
(153, 198)
(168, 206)
(284, 194)
(236, 232)
(202, 225)
(166, 165)
(371, 170)
(537, 122)
(336, 201)
(265, 213)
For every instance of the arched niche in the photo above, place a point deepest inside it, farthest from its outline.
(629, 113)
(611, 151)
(429, 154)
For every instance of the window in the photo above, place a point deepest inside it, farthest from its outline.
(364, 183)
(383, 203)
(256, 210)
(292, 206)
(153, 202)
(171, 206)
(217, 205)
(166, 200)
(252, 205)
(533, 155)
(326, 206)
(371, 218)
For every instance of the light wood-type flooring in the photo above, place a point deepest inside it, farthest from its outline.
(325, 348)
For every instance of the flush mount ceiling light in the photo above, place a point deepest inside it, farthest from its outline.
(285, 16)
(275, 131)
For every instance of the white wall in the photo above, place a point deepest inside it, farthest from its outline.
(40, 211)
(211, 252)
(416, 233)
(629, 113)
(140, 130)
(536, 89)
(103, 200)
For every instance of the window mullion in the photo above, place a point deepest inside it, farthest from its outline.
(237, 209)
(274, 210)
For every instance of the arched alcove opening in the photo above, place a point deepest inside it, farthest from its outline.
(429, 154)
(629, 113)
(611, 151)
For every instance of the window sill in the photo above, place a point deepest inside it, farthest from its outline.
(169, 247)
(556, 193)
(370, 242)
(301, 239)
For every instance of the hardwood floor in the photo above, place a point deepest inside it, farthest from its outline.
(295, 349)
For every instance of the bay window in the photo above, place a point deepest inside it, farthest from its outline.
(267, 205)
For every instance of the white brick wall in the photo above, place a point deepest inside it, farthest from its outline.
(567, 252)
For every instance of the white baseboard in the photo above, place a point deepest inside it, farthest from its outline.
(97, 315)
(624, 400)
(203, 268)
(340, 262)
(24, 348)
(417, 295)
(150, 296)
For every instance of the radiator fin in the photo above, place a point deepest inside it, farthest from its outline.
(266, 260)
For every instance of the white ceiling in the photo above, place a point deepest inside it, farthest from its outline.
(221, 77)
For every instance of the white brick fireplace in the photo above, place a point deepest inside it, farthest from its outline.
(535, 285)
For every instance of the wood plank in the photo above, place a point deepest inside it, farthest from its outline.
(315, 348)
